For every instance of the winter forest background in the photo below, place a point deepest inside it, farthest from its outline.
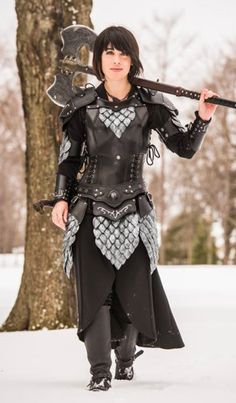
(186, 43)
(195, 199)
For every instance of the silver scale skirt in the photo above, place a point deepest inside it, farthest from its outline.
(116, 240)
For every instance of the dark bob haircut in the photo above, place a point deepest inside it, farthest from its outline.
(121, 39)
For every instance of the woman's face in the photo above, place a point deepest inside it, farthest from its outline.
(115, 64)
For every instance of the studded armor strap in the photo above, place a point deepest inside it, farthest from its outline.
(112, 195)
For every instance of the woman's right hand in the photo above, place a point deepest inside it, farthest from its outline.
(60, 214)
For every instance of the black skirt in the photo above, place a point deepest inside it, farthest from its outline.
(134, 294)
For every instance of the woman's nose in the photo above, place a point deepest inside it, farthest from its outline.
(116, 59)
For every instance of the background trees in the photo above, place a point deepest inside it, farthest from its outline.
(192, 198)
(46, 298)
(207, 185)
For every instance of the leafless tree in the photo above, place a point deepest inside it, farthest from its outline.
(46, 298)
(165, 49)
(210, 179)
(12, 147)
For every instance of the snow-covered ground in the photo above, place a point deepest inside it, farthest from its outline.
(51, 366)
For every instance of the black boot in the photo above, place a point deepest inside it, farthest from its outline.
(125, 354)
(96, 384)
(97, 339)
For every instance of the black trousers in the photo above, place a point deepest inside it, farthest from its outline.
(132, 294)
(97, 339)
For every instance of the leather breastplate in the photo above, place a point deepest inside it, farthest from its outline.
(117, 142)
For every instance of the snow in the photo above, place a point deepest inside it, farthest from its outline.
(51, 365)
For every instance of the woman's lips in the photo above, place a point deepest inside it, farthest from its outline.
(116, 69)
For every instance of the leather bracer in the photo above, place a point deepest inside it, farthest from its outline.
(193, 133)
(65, 188)
(197, 131)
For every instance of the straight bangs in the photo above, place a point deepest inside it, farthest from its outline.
(118, 41)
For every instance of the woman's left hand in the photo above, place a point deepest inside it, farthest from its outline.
(206, 110)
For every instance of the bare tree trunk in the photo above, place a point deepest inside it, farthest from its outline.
(46, 298)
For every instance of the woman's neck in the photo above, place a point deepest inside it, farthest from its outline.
(118, 89)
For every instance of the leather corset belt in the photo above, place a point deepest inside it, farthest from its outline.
(111, 195)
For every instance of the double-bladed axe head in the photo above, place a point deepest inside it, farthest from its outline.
(73, 37)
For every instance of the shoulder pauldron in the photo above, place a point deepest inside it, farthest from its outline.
(159, 98)
(84, 97)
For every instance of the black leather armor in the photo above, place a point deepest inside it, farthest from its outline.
(113, 160)
(116, 144)
(114, 139)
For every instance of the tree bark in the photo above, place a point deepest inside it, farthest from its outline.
(46, 298)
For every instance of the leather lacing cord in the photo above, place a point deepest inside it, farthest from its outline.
(84, 159)
(84, 150)
(152, 152)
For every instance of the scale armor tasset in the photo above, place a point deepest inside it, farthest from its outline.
(64, 148)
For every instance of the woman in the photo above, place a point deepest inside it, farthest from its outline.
(108, 215)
